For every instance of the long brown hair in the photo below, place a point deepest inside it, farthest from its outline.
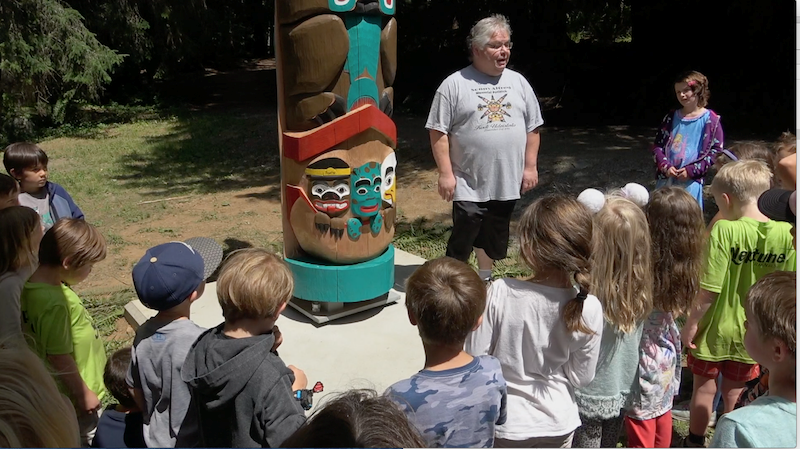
(678, 239)
(555, 232)
(17, 224)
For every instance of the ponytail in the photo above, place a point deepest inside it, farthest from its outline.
(573, 310)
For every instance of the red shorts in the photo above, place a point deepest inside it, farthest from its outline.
(735, 371)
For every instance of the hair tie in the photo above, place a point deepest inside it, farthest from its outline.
(582, 294)
(593, 199)
(730, 155)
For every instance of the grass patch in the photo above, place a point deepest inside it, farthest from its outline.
(106, 309)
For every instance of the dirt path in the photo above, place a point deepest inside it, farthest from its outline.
(571, 159)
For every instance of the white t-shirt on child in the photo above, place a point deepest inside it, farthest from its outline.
(542, 362)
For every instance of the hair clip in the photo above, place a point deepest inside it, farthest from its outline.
(593, 199)
(636, 193)
(730, 155)
(691, 83)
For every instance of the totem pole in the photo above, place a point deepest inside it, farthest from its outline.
(336, 63)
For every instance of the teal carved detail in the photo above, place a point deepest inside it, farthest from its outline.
(362, 58)
(342, 5)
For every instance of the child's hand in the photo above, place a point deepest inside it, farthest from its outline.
(672, 172)
(300, 379)
(682, 175)
(88, 402)
(278, 338)
(687, 335)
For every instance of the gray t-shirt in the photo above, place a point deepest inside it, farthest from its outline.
(487, 120)
(41, 204)
(11, 284)
(159, 350)
(458, 407)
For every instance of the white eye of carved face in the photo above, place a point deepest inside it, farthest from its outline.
(342, 189)
(389, 180)
(362, 191)
(319, 190)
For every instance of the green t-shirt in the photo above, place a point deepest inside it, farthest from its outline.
(59, 324)
(740, 253)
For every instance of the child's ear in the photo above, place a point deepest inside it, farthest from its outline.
(478, 323)
(66, 264)
(728, 200)
(411, 318)
(14, 174)
(780, 352)
(280, 310)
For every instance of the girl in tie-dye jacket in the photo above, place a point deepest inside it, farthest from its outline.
(689, 139)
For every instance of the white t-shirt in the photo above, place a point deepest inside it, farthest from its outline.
(487, 120)
(41, 204)
(542, 362)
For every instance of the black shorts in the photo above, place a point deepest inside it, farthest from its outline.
(480, 225)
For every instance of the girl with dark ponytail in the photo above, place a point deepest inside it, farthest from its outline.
(545, 330)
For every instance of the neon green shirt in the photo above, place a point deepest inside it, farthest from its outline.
(740, 253)
(59, 324)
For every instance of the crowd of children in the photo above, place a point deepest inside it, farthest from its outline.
(585, 349)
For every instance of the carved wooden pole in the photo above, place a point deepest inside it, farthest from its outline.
(337, 61)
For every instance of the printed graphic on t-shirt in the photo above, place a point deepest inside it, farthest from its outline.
(47, 220)
(742, 255)
(493, 108)
(677, 151)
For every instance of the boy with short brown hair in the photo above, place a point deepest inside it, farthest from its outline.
(243, 390)
(27, 163)
(457, 399)
(771, 339)
(60, 328)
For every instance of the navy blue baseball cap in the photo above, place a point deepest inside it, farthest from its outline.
(167, 274)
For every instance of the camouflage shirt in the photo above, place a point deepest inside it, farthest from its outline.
(458, 407)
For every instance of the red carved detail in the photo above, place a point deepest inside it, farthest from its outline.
(305, 145)
(293, 193)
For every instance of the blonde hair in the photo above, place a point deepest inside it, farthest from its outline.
(555, 232)
(253, 283)
(32, 411)
(772, 304)
(786, 142)
(678, 242)
(17, 224)
(744, 180)
(73, 241)
(621, 269)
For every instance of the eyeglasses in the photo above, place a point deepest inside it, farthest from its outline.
(499, 45)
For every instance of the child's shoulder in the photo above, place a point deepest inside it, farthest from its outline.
(176, 332)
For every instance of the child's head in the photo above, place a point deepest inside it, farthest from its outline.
(677, 234)
(254, 283)
(771, 312)
(621, 269)
(73, 245)
(9, 191)
(445, 300)
(555, 233)
(357, 418)
(691, 88)
(27, 163)
(171, 273)
(32, 411)
(20, 236)
(745, 151)
(739, 183)
(785, 146)
(114, 377)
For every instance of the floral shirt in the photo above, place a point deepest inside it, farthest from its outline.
(712, 144)
(659, 366)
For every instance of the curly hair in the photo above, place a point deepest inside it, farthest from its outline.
(678, 241)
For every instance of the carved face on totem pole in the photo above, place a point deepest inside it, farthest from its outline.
(337, 61)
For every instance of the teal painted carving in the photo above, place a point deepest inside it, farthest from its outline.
(342, 5)
(365, 199)
(362, 58)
